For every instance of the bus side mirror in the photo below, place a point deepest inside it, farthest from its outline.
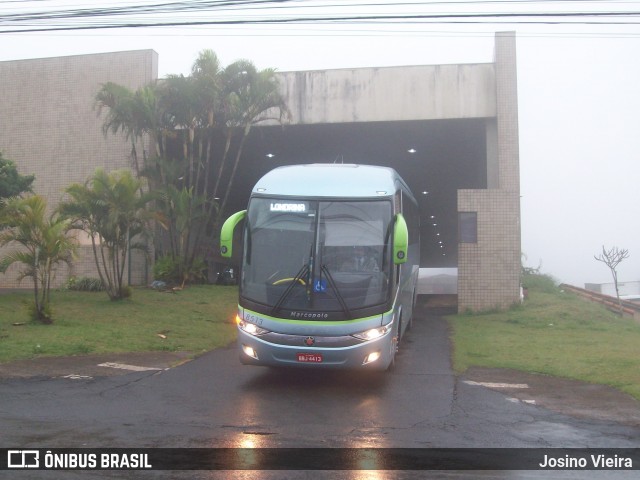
(226, 234)
(400, 240)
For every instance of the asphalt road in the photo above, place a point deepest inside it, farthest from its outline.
(214, 401)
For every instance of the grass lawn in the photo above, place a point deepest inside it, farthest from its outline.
(553, 333)
(196, 319)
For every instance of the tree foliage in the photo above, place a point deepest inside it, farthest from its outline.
(198, 126)
(110, 209)
(130, 113)
(44, 243)
(12, 183)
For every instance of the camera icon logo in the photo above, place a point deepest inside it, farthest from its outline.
(23, 459)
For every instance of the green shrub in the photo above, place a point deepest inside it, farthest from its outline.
(540, 283)
(35, 316)
(125, 292)
(171, 271)
(167, 269)
(85, 284)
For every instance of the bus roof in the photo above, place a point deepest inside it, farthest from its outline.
(330, 180)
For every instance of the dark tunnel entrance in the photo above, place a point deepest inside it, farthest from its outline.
(436, 158)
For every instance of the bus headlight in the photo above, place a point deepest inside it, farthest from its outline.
(373, 333)
(249, 351)
(250, 328)
(372, 357)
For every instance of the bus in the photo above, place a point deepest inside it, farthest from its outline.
(329, 266)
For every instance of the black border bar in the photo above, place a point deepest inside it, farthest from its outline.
(320, 458)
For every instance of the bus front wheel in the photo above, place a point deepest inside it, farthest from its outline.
(395, 347)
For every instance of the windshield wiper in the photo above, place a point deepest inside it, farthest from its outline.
(339, 296)
(303, 271)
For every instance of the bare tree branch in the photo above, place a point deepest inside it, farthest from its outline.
(612, 258)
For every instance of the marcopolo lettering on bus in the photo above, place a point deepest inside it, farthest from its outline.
(288, 207)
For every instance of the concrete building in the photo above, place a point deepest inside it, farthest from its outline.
(450, 130)
(627, 290)
(51, 129)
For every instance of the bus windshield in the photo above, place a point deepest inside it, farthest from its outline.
(329, 256)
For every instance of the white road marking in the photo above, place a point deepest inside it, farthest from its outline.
(497, 385)
(78, 377)
(133, 368)
(517, 400)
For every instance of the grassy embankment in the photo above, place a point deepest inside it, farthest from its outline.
(195, 319)
(553, 333)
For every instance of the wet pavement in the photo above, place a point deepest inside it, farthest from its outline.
(164, 399)
(561, 395)
(566, 396)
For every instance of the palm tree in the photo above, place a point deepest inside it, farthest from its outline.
(251, 97)
(110, 209)
(179, 100)
(206, 75)
(132, 113)
(180, 211)
(185, 107)
(45, 244)
(185, 114)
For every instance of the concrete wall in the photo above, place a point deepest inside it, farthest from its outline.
(626, 289)
(390, 93)
(50, 127)
(489, 270)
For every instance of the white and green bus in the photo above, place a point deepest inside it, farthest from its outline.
(329, 267)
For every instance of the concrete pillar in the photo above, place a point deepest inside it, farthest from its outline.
(489, 269)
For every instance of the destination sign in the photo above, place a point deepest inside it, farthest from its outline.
(288, 207)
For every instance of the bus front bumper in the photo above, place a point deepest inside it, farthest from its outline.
(316, 352)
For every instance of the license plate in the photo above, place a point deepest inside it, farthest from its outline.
(309, 357)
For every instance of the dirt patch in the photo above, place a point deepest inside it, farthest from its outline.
(562, 395)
